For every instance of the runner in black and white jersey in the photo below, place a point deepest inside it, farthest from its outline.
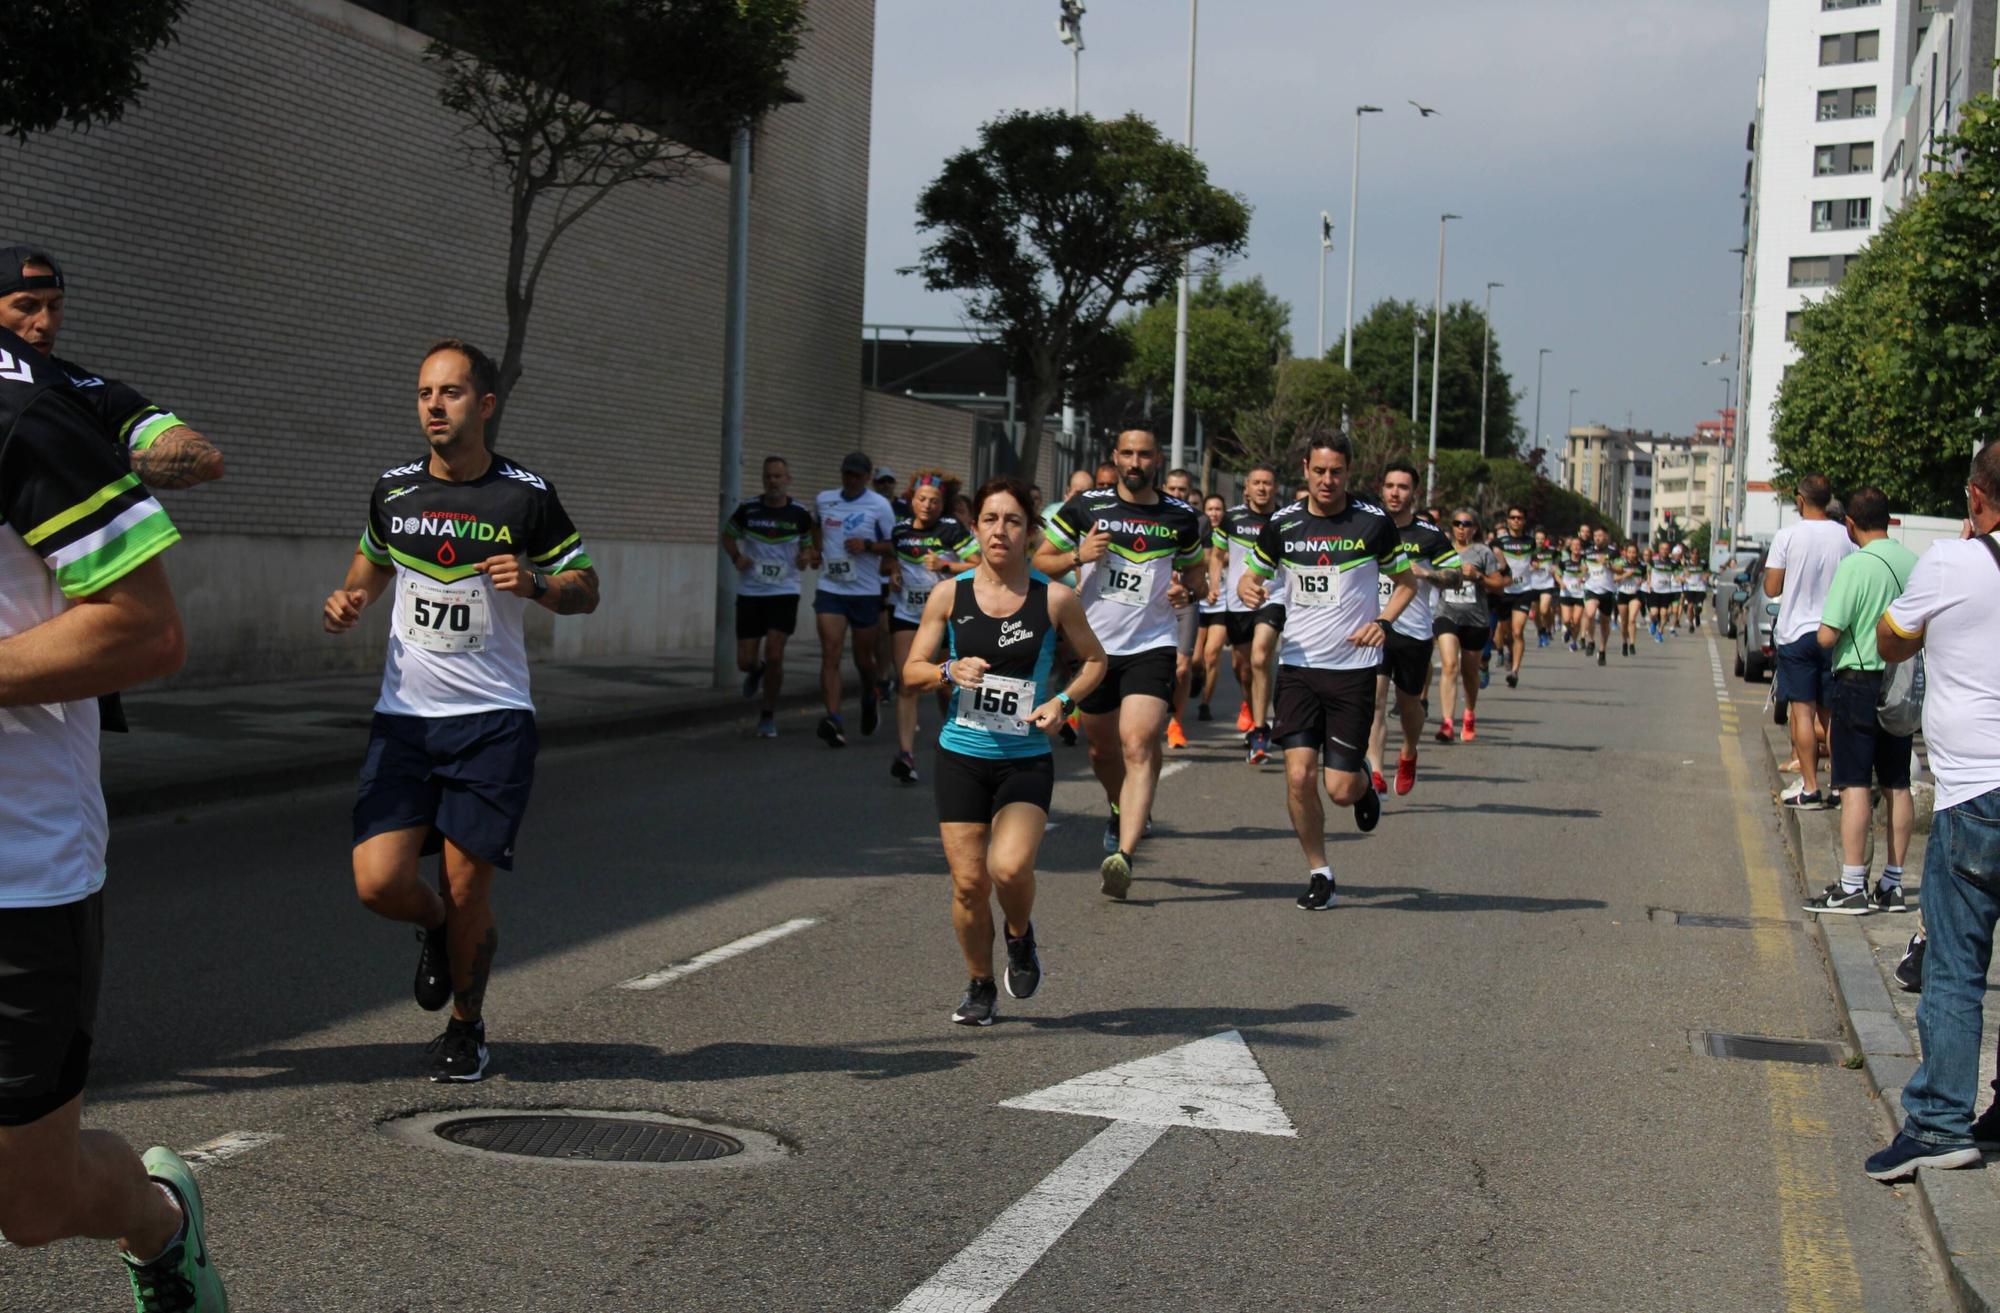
(1331, 550)
(1512, 607)
(85, 610)
(1213, 643)
(1600, 593)
(852, 526)
(1569, 591)
(1662, 595)
(768, 538)
(929, 547)
(1628, 574)
(1233, 541)
(1139, 552)
(1179, 484)
(1408, 642)
(1463, 621)
(1543, 584)
(467, 539)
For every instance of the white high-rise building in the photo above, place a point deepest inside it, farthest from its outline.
(1852, 96)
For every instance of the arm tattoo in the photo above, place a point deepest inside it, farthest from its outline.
(574, 592)
(472, 998)
(181, 458)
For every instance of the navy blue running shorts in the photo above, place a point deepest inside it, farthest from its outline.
(465, 778)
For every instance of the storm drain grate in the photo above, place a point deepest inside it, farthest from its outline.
(589, 1139)
(1762, 1048)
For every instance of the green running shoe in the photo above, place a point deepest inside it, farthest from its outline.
(184, 1279)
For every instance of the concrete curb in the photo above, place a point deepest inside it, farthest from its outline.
(1959, 1221)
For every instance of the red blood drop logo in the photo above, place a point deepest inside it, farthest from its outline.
(445, 555)
(1324, 559)
(1139, 543)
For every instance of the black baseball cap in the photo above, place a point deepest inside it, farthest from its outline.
(857, 462)
(12, 280)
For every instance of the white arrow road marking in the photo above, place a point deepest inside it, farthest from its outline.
(1213, 1083)
(734, 948)
(224, 1147)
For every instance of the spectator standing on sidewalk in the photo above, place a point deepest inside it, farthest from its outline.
(1863, 587)
(1800, 569)
(1951, 612)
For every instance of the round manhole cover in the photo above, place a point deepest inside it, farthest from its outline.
(589, 1139)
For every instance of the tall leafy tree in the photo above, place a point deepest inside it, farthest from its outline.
(1051, 224)
(79, 62)
(1897, 379)
(1382, 367)
(569, 100)
(1251, 302)
(1230, 368)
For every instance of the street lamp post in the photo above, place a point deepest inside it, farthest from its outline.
(1416, 356)
(1437, 351)
(1178, 451)
(1572, 414)
(1485, 366)
(1325, 245)
(1353, 217)
(1535, 438)
(1070, 28)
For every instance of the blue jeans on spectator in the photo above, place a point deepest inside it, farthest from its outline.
(1961, 904)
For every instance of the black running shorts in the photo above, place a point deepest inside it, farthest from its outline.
(1331, 710)
(758, 616)
(51, 963)
(1151, 673)
(972, 790)
(465, 778)
(1407, 662)
(1242, 627)
(1471, 634)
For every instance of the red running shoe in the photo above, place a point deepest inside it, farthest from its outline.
(1243, 722)
(1444, 732)
(1381, 785)
(1406, 775)
(1468, 734)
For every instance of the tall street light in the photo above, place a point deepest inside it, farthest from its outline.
(1353, 217)
(1535, 438)
(1437, 351)
(1325, 245)
(1070, 28)
(1572, 414)
(1416, 366)
(1181, 314)
(1485, 366)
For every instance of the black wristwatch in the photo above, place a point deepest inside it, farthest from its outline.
(541, 584)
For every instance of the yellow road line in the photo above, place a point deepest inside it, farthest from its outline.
(1817, 1261)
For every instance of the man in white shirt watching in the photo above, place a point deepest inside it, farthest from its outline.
(1951, 612)
(1800, 569)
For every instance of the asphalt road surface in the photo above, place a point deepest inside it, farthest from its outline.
(1486, 1051)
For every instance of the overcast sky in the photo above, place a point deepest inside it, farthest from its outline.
(1596, 151)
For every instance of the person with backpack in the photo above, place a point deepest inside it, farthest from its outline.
(1864, 750)
(1950, 611)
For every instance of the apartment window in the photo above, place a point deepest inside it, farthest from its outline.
(1867, 46)
(1826, 161)
(1846, 103)
(1831, 106)
(1812, 270)
(1864, 103)
(1792, 325)
(1861, 157)
(1858, 213)
(1831, 5)
(1849, 48)
(1822, 216)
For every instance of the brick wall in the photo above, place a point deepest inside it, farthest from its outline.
(269, 238)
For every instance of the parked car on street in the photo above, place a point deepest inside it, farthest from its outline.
(1754, 623)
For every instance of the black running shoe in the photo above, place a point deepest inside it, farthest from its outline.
(904, 768)
(1513, 679)
(461, 1052)
(433, 970)
(871, 714)
(751, 679)
(1318, 895)
(1600, 658)
(1111, 836)
(1067, 734)
(979, 1006)
(1201, 711)
(1986, 1129)
(1888, 898)
(831, 733)
(1910, 971)
(1368, 810)
(1024, 964)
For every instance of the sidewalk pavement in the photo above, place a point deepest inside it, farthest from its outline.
(190, 746)
(1962, 1208)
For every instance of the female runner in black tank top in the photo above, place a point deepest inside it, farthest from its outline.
(994, 772)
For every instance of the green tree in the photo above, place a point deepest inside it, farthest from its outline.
(1051, 224)
(79, 62)
(1898, 369)
(568, 100)
(1254, 304)
(1234, 345)
(1382, 366)
(1491, 485)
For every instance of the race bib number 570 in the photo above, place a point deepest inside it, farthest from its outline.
(444, 617)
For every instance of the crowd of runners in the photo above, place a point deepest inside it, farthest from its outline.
(1094, 621)
(1103, 616)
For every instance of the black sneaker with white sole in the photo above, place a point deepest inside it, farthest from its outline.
(1318, 895)
(1368, 810)
(1986, 1129)
(1910, 971)
(461, 1053)
(433, 987)
(1844, 902)
(1024, 964)
(1888, 898)
(979, 1006)
(871, 715)
(1111, 836)
(831, 732)
(1805, 802)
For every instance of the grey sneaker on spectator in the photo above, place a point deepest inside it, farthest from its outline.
(1888, 898)
(1910, 971)
(1836, 899)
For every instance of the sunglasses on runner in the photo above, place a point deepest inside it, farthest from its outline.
(1465, 524)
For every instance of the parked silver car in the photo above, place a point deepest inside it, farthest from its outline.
(1754, 623)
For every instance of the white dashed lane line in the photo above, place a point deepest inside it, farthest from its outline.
(734, 948)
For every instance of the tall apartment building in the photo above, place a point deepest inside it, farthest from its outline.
(1614, 469)
(1852, 96)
